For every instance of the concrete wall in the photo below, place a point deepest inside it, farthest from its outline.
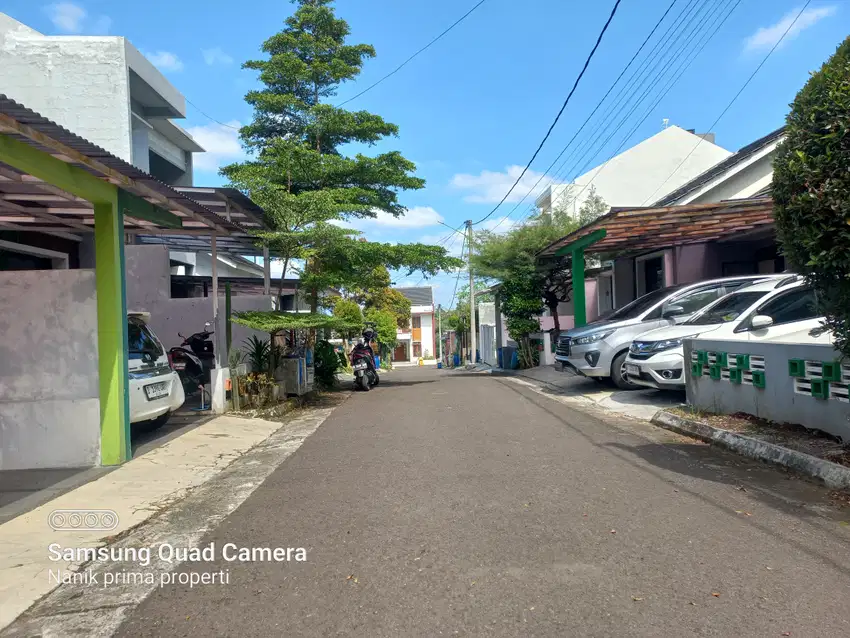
(149, 290)
(784, 398)
(80, 82)
(427, 338)
(49, 388)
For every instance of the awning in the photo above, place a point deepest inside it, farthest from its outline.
(626, 231)
(30, 204)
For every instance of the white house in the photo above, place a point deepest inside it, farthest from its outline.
(417, 339)
(641, 174)
(104, 90)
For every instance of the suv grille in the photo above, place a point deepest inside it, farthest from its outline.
(563, 348)
(641, 350)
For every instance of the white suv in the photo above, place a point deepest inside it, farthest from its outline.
(757, 312)
(155, 389)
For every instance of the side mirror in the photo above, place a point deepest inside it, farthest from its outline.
(760, 322)
(180, 334)
(672, 311)
(207, 324)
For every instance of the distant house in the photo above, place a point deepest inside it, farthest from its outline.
(417, 339)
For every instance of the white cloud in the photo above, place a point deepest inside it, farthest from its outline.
(71, 18)
(221, 144)
(216, 56)
(488, 187)
(165, 61)
(765, 37)
(416, 217)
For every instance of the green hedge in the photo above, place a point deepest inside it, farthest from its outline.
(811, 190)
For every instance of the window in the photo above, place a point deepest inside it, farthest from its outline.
(417, 349)
(696, 299)
(141, 340)
(641, 304)
(795, 305)
(727, 309)
(417, 321)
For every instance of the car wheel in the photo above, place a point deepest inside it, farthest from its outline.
(618, 373)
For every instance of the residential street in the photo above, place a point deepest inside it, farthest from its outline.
(449, 504)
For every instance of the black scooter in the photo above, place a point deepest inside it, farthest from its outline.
(194, 364)
(363, 361)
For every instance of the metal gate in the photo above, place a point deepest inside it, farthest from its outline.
(487, 347)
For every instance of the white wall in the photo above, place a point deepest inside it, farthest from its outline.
(746, 182)
(80, 82)
(638, 174)
(428, 336)
(49, 381)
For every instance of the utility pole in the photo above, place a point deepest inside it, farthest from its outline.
(472, 344)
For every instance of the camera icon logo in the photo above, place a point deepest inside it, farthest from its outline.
(83, 520)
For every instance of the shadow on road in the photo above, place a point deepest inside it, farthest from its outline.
(771, 486)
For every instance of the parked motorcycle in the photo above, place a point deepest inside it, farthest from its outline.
(194, 359)
(363, 361)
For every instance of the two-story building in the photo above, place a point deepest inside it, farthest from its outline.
(417, 340)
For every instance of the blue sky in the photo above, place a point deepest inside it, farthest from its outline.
(472, 108)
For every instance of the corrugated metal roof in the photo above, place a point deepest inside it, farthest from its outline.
(27, 203)
(718, 169)
(419, 296)
(635, 230)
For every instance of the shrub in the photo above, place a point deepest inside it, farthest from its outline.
(326, 364)
(811, 190)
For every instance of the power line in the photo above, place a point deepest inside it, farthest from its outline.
(459, 273)
(638, 78)
(734, 99)
(403, 64)
(676, 76)
(592, 113)
(557, 117)
(209, 117)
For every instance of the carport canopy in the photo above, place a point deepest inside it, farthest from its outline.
(53, 181)
(626, 231)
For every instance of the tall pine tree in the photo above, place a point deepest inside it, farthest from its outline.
(299, 172)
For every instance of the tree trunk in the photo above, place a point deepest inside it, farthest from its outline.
(555, 318)
(282, 277)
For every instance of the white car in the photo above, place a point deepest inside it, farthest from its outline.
(155, 389)
(761, 311)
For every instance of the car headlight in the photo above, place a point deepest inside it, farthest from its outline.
(592, 338)
(669, 344)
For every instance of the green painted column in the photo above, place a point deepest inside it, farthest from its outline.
(112, 333)
(579, 304)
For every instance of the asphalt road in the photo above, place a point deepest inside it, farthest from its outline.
(447, 504)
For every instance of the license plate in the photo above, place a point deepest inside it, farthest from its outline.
(157, 390)
(632, 369)
(360, 366)
(178, 366)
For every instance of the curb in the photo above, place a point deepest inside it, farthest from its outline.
(831, 474)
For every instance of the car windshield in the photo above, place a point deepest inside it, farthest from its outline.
(141, 340)
(726, 309)
(641, 304)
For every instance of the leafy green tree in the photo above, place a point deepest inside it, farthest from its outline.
(348, 310)
(811, 190)
(392, 301)
(520, 302)
(514, 255)
(297, 170)
(592, 208)
(385, 325)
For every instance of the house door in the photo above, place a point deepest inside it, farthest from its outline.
(400, 352)
(653, 274)
(605, 294)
